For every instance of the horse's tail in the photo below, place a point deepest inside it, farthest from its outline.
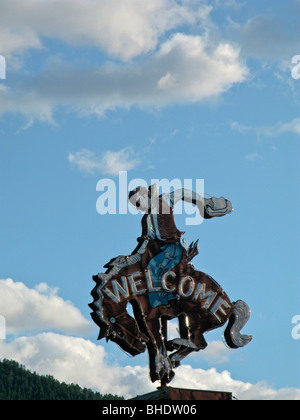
(238, 318)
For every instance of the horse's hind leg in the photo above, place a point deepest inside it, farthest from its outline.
(180, 354)
(191, 339)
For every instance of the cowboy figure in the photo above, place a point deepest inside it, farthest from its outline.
(158, 224)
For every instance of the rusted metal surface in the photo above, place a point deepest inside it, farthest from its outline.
(179, 394)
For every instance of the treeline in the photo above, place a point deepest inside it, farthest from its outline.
(18, 383)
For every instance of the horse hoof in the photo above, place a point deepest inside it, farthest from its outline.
(157, 375)
(177, 343)
(168, 377)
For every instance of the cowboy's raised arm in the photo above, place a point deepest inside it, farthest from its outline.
(208, 207)
(185, 195)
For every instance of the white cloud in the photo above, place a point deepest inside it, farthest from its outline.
(230, 4)
(181, 69)
(253, 157)
(77, 360)
(267, 37)
(223, 381)
(123, 28)
(185, 69)
(73, 359)
(122, 160)
(190, 70)
(216, 353)
(110, 163)
(39, 309)
(28, 104)
(12, 41)
(166, 81)
(290, 127)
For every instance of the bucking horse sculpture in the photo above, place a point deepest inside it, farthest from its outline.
(160, 283)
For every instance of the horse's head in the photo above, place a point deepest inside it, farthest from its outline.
(113, 319)
(124, 331)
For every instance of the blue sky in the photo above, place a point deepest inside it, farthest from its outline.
(172, 89)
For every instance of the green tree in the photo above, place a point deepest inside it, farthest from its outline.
(18, 383)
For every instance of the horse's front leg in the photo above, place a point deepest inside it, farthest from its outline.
(159, 362)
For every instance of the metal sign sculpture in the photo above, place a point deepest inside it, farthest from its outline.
(160, 283)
